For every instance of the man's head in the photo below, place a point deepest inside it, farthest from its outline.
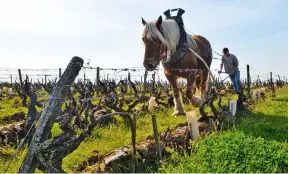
(226, 51)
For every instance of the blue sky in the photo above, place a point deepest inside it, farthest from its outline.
(46, 34)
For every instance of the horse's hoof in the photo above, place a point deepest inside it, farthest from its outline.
(179, 113)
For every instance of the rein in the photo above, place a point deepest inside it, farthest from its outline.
(159, 56)
(198, 56)
(161, 47)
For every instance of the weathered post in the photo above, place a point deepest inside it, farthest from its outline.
(20, 77)
(155, 128)
(248, 80)
(145, 80)
(59, 72)
(50, 113)
(45, 79)
(134, 139)
(272, 84)
(271, 79)
(97, 79)
(11, 79)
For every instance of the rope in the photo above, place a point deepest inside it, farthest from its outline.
(212, 76)
(217, 53)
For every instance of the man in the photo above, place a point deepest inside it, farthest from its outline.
(182, 45)
(231, 64)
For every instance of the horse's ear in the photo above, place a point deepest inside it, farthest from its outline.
(143, 21)
(159, 22)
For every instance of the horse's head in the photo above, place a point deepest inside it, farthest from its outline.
(155, 43)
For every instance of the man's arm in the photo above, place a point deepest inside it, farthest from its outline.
(221, 66)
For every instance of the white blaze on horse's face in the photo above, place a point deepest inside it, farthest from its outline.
(153, 46)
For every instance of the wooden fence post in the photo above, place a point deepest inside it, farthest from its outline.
(97, 79)
(248, 80)
(145, 80)
(45, 80)
(59, 73)
(50, 113)
(156, 135)
(20, 77)
(134, 140)
(271, 78)
(11, 79)
(272, 84)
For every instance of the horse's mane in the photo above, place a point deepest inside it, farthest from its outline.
(171, 34)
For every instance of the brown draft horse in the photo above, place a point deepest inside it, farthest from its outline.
(160, 38)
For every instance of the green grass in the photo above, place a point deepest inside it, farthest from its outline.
(230, 152)
(258, 144)
(11, 106)
(8, 107)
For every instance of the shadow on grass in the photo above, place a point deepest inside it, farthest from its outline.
(280, 99)
(258, 124)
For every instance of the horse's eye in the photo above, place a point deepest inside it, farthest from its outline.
(143, 39)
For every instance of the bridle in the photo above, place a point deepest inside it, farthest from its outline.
(160, 49)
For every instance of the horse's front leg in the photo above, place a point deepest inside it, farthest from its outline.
(178, 101)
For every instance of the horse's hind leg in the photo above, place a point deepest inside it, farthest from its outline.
(190, 91)
(204, 84)
(178, 101)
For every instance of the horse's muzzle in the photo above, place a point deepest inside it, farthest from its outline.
(150, 65)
